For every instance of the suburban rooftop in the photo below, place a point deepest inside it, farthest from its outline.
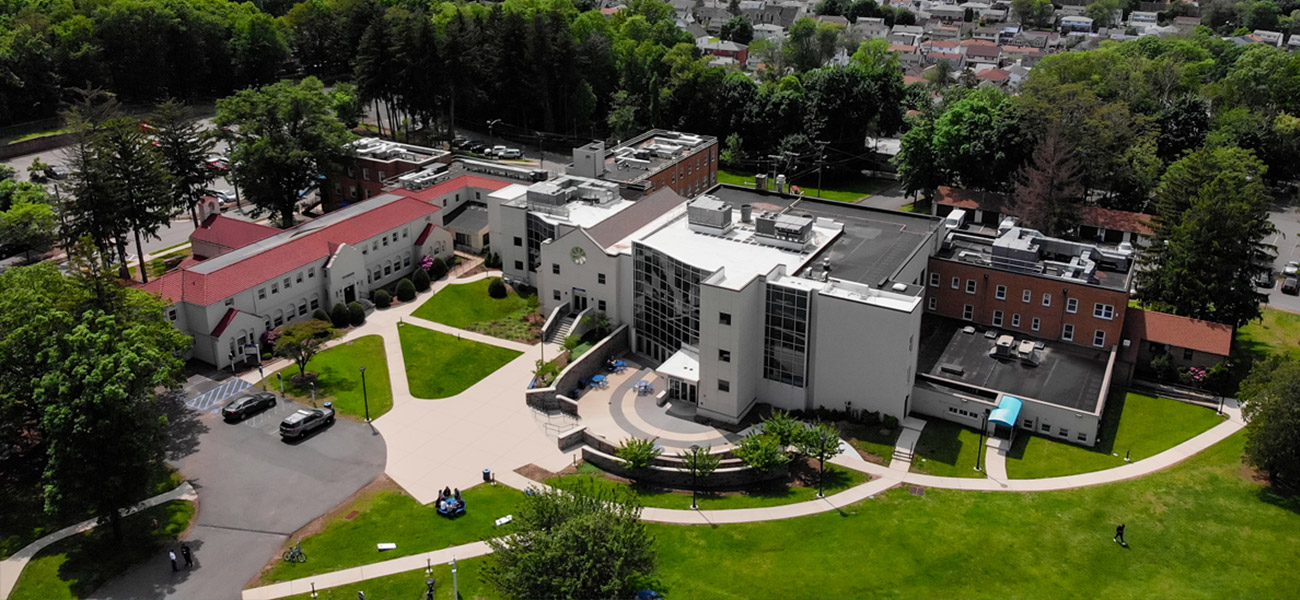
(650, 152)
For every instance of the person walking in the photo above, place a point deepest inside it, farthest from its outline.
(172, 555)
(187, 555)
(1119, 535)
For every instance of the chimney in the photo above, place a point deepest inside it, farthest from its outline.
(746, 213)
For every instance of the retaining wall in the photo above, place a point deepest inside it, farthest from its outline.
(724, 477)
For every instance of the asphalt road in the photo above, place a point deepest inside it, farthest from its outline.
(1287, 241)
(254, 491)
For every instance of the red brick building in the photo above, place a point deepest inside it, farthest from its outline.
(1072, 292)
(657, 159)
(376, 161)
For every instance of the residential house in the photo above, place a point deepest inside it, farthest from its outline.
(951, 34)
(1017, 72)
(1272, 38)
(1026, 56)
(1142, 20)
(769, 31)
(982, 54)
(987, 33)
(1096, 224)
(776, 13)
(871, 28)
(908, 56)
(954, 59)
(945, 13)
(835, 19)
(1293, 44)
(1186, 25)
(726, 49)
(1187, 342)
(1076, 25)
(998, 78)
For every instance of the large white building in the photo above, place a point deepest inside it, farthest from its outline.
(738, 297)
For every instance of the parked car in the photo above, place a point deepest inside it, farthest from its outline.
(1265, 280)
(306, 420)
(57, 172)
(1291, 269)
(1291, 286)
(219, 164)
(474, 146)
(459, 141)
(224, 197)
(510, 153)
(495, 150)
(246, 404)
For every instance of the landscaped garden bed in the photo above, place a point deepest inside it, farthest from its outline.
(468, 306)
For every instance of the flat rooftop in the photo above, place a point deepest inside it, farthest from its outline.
(648, 153)
(1067, 375)
(978, 250)
(875, 243)
(469, 217)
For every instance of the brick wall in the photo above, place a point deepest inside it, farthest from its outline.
(984, 303)
(691, 175)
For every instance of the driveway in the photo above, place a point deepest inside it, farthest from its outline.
(254, 491)
(1287, 241)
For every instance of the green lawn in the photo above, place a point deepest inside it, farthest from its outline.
(874, 440)
(1141, 425)
(439, 365)
(841, 188)
(39, 134)
(1198, 530)
(466, 304)
(1275, 332)
(947, 449)
(22, 516)
(389, 515)
(339, 378)
(411, 585)
(75, 567)
(837, 479)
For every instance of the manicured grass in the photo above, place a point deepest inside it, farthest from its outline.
(947, 449)
(1276, 332)
(75, 567)
(411, 585)
(874, 440)
(1183, 524)
(463, 305)
(339, 378)
(389, 515)
(39, 134)
(839, 188)
(1141, 425)
(22, 516)
(439, 366)
(837, 479)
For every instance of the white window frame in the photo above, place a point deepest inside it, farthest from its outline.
(1015, 320)
(1099, 338)
(971, 287)
(1000, 292)
(934, 280)
(967, 312)
(956, 283)
(1026, 296)
(1072, 305)
(932, 303)
(1035, 324)
(1047, 299)
(997, 318)
(1067, 332)
(1103, 311)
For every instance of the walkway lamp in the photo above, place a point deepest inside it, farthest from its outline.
(280, 378)
(455, 581)
(365, 395)
(312, 384)
(695, 470)
(261, 376)
(984, 425)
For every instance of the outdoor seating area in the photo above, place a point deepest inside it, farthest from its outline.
(450, 504)
(643, 387)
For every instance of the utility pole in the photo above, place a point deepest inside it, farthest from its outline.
(821, 162)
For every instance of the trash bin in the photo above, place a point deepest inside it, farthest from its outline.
(487, 475)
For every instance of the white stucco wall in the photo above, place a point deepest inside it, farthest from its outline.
(864, 354)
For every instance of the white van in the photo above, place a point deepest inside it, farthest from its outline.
(955, 219)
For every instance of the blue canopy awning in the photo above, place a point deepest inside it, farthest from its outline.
(1007, 412)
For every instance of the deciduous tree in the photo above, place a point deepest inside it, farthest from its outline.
(822, 442)
(1270, 398)
(301, 341)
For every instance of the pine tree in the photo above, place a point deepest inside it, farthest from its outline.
(1047, 188)
(184, 151)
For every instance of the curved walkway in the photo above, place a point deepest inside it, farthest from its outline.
(13, 566)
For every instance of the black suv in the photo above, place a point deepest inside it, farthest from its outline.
(247, 404)
(306, 420)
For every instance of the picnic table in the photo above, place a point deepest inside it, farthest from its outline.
(643, 387)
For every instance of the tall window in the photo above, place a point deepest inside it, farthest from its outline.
(1000, 293)
(1067, 332)
(1072, 305)
(1047, 299)
(1015, 320)
(997, 318)
(970, 286)
(1099, 338)
(968, 312)
(934, 280)
(956, 283)
(1034, 325)
(538, 232)
(1026, 296)
(666, 303)
(785, 337)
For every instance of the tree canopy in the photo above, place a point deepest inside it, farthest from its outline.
(1271, 403)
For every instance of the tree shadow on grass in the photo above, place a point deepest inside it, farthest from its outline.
(1285, 497)
(940, 442)
(94, 558)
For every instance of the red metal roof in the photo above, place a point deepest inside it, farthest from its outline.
(1180, 332)
(303, 246)
(231, 233)
(225, 322)
(424, 235)
(451, 185)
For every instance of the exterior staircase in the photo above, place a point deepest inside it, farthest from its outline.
(561, 331)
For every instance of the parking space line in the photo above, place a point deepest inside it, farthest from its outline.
(211, 399)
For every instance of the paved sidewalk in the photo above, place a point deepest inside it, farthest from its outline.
(370, 571)
(13, 566)
(995, 459)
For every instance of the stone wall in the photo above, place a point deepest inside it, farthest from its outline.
(40, 144)
(728, 477)
(590, 363)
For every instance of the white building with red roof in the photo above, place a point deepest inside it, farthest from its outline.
(250, 278)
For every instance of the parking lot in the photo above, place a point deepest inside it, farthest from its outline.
(254, 489)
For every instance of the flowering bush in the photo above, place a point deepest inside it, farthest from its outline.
(426, 263)
(1197, 374)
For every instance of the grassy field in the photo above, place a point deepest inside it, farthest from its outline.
(1275, 332)
(1183, 525)
(23, 520)
(468, 306)
(947, 449)
(158, 264)
(339, 378)
(839, 188)
(874, 440)
(837, 479)
(438, 365)
(411, 585)
(389, 515)
(1141, 425)
(75, 567)
(39, 134)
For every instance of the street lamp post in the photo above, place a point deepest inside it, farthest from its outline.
(695, 470)
(429, 584)
(365, 395)
(492, 125)
(261, 376)
(280, 378)
(312, 384)
(455, 581)
(984, 425)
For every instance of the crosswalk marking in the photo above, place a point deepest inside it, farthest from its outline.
(213, 399)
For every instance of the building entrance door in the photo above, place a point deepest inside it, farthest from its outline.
(350, 294)
(579, 302)
(681, 390)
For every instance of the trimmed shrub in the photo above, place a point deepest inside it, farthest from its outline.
(320, 315)
(891, 422)
(638, 453)
(339, 315)
(497, 288)
(382, 299)
(356, 313)
(438, 270)
(421, 280)
(405, 290)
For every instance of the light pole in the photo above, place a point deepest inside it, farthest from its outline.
(280, 378)
(821, 162)
(984, 424)
(695, 470)
(429, 584)
(312, 384)
(261, 376)
(492, 125)
(365, 395)
(455, 581)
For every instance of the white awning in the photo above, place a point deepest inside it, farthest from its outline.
(683, 365)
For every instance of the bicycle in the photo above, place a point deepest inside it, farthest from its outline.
(295, 554)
